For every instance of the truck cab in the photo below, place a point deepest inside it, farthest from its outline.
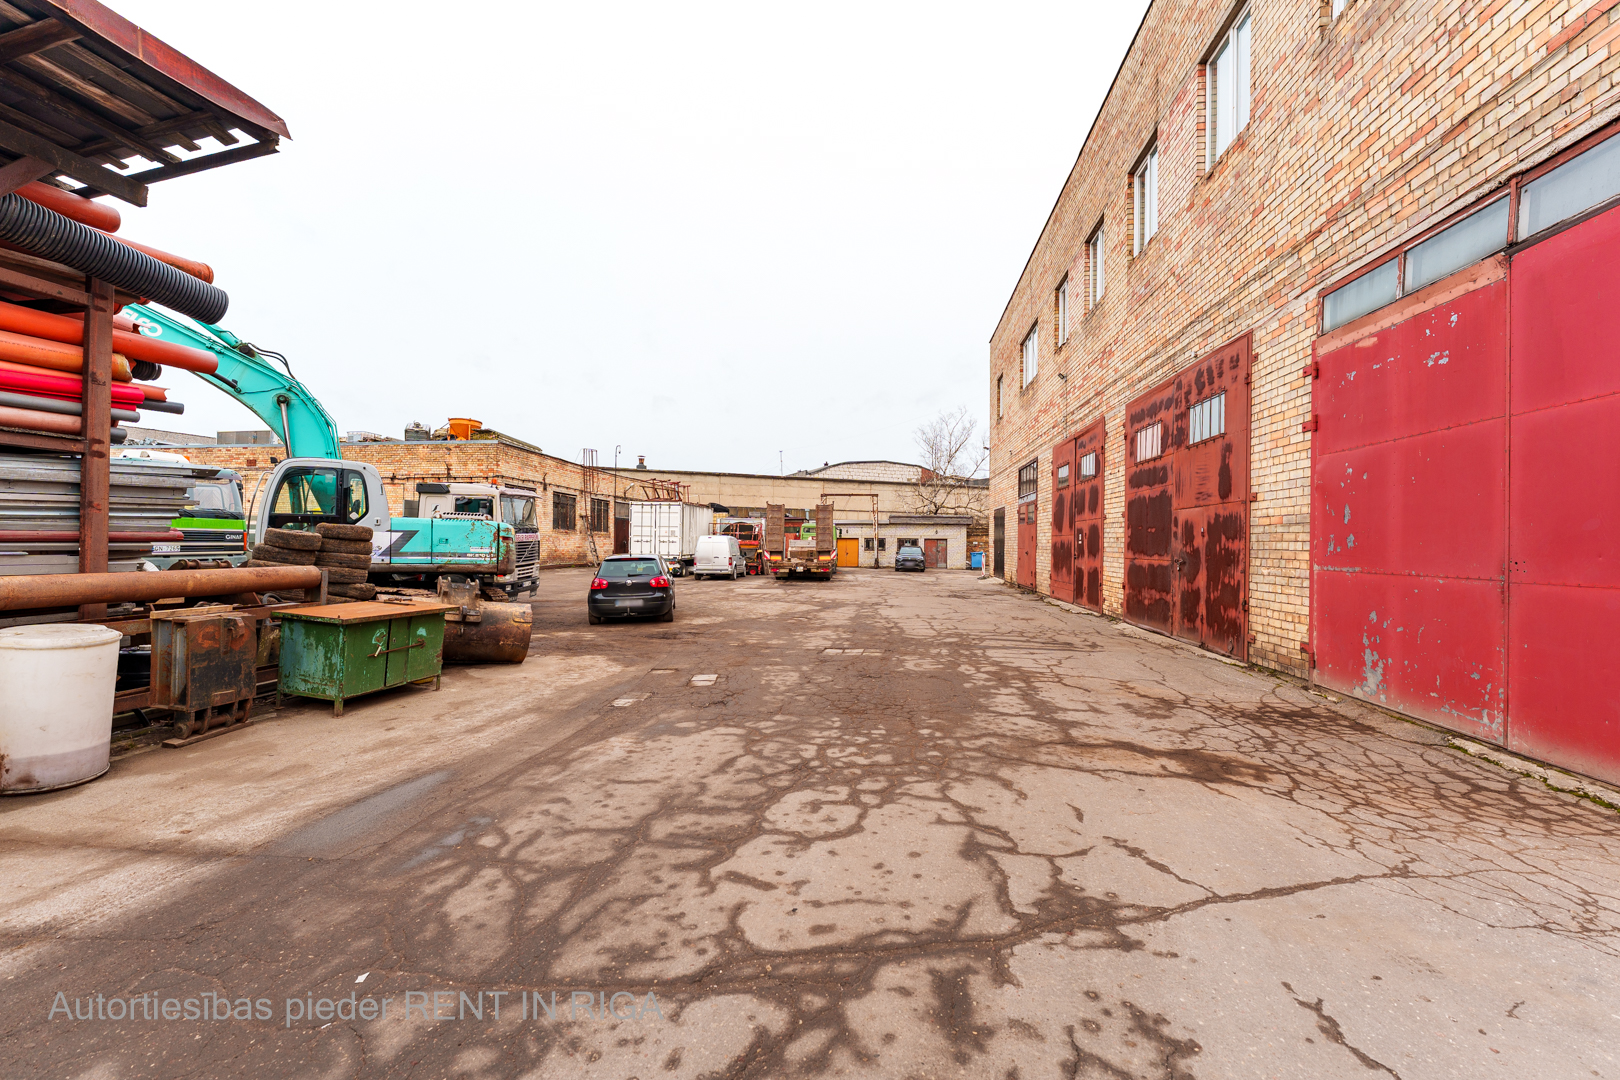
(514, 506)
(305, 492)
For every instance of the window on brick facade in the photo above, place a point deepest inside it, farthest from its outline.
(1228, 86)
(1463, 244)
(1029, 479)
(1096, 250)
(1088, 466)
(1062, 477)
(1000, 383)
(1032, 353)
(1338, 7)
(563, 508)
(1369, 292)
(600, 511)
(1145, 189)
(1060, 310)
(1578, 184)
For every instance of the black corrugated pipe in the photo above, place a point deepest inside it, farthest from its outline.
(49, 235)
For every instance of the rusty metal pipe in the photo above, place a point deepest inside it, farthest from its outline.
(25, 591)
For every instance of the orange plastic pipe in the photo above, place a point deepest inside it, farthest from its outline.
(120, 320)
(199, 270)
(153, 393)
(20, 349)
(77, 207)
(34, 420)
(120, 371)
(42, 324)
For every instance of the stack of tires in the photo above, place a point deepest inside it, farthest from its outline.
(345, 555)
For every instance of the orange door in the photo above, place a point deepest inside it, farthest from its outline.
(849, 551)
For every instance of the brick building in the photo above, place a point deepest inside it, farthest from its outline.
(575, 503)
(1274, 199)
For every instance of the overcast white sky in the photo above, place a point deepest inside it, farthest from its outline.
(707, 233)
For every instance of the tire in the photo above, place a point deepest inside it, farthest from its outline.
(346, 547)
(343, 575)
(339, 558)
(343, 532)
(292, 539)
(283, 556)
(596, 620)
(668, 616)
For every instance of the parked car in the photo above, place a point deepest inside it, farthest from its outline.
(628, 586)
(910, 558)
(719, 555)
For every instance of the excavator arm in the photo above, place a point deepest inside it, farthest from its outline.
(247, 375)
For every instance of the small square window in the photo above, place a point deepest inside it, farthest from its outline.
(1150, 442)
(1088, 466)
(1207, 419)
(1062, 477)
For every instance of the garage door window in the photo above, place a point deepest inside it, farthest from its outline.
(1062, 477)
(1150, 442)
(1466, 242)
(1088, 466)
(1206, 419)
(1028, 479)
(1578, 184)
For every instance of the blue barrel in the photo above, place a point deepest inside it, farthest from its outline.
(976, 560)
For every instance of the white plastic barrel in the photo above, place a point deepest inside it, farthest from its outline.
(56, 704)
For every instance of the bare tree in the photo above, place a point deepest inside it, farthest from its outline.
(952, 458)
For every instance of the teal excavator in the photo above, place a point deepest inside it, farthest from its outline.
(313, 484)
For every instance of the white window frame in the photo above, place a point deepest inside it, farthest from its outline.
(1096, 253)
(1000, 396)
(1230, 104)
(1207, 419)
(1145, 187)
(1150, 442)
(1062, 305)
(1088, 465)
(1031, 361)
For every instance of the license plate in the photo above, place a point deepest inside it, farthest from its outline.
(627, 603)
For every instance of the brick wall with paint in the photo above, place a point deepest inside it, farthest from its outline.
(1363, 130)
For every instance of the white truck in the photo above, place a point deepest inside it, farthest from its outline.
(669, 529)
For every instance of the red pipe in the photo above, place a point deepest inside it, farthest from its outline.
(39, 353)
(60, 328)
(35, 369)
(38, 536)
(77, 207)
(34, 420)
(70, 387)
(25, 591)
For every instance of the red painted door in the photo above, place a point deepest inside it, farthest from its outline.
(1088, 514)
(1563, 623)
(1026, 543)
(934, 556)
(1187, 503)
(1063, 538)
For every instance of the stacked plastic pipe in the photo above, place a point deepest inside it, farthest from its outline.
(42, 352)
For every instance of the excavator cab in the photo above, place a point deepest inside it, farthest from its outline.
(305, 492)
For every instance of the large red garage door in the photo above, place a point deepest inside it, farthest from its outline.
(1187, 503)
(1465, 518)
(1077, 517)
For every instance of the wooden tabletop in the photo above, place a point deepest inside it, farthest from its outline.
(362, 611)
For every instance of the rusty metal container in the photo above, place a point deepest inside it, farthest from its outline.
(203, 667)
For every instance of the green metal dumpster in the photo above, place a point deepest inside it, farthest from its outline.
(339, 651)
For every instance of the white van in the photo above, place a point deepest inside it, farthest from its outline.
(718, 556)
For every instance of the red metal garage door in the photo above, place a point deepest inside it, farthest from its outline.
(1408, 512)
(1187, 503)
(1026, 543)
(1564, 498)
(1465, 518)
(1063, 520)
(1088, 515)
(934, 557)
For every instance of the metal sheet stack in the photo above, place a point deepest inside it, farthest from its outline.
(39, 510)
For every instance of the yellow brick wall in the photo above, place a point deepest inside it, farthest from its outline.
(1360, 135)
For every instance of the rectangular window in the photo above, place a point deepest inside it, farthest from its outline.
(1228, 89)
(1000, 382)
(1063, 477)
(1060, 309)
(1369, 292)
(562, 512)
(1150, 442)
(1145, 186)
(1207, 419)
(1448, 251)
(600, 509)
(1029, 480)
(1032, 353)
(1088, 466)
(1578, 184)
(1095, 250)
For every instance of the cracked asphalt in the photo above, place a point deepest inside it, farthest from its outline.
(913, 826)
